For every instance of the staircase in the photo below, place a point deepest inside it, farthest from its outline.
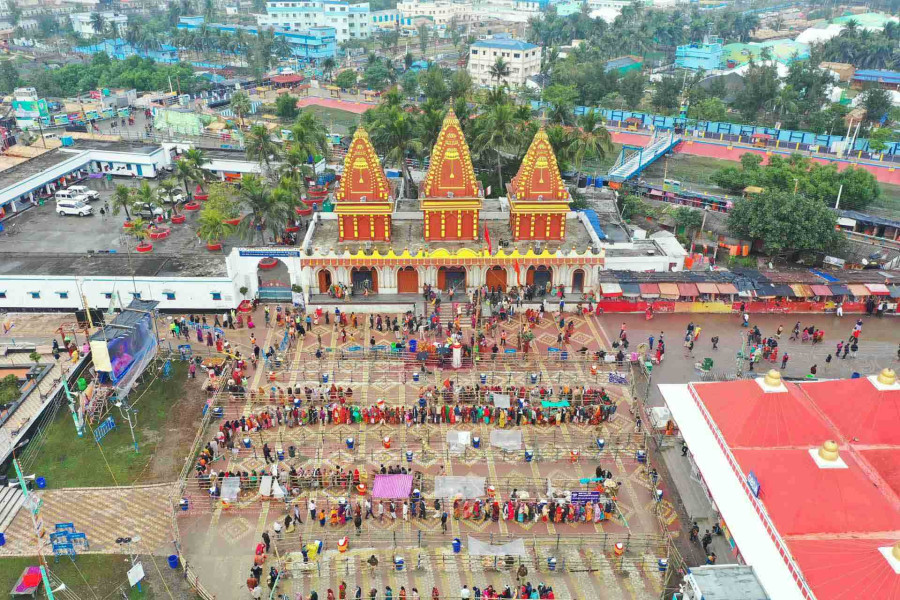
(634, 159)
(11, 500)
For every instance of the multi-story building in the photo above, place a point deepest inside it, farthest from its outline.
(83, 23)
(388, 19)
(522, 58)
(350, 21)
(120, 50)
(706, 56)
(511, 11)
(312, 44)
(440, 12)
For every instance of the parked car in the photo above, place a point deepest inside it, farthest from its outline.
(177, 197)
(147, 210)
(66, 207)
(70, 194)
(86, 191)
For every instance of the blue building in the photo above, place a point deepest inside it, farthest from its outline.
(313, 44)
(120, 49)
(706, 55)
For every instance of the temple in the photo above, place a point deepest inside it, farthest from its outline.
(538, 198)
(363, 202)
(451, 197)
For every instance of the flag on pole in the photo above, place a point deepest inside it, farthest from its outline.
(487, 238)
(518, 271)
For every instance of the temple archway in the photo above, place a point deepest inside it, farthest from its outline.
(408, 281)
(495, 277)
(454, 277)
(578, 281)
(539, 276)
(364, 278)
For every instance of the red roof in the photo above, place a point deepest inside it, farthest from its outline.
(749, 417)
(287, 79)
(829, 565)
(803, 498)
(858, 410)
(832, 520)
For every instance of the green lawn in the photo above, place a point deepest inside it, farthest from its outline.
(66, 460)
(336, 120)
(104, 573)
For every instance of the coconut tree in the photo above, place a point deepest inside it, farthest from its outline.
(256, 197)
(121, 200)
(394, 130)
(144, 194)
(590, 139)
(240, 104)
(211, 226)
(166, 189)
(139, 230)
(310, 135)
(186, 172)
(499, 133)
(261, 147)
(499, 70)
(98, 22)
(197, 157)
(328, 66)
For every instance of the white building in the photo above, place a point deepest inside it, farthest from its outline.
(511, 11)
(81, 23)
(522, 58)
(351, 21)
(440, 12)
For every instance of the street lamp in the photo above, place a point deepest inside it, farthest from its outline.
(126, 414)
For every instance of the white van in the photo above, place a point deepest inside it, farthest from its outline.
(73, 207)
(86, 191)
(70, 194)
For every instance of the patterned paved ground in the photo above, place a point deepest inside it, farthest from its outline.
(104, 514)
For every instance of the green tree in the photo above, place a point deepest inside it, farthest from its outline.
(632, 207)
(9, 77)
(310, 136)
(410, 84)
(211, 225)
(186, 171)
(761, 85)
(166, 191)
(691, 219)
(139, 230)
(632, 88)
(424, 38)
(240, 104)
(260, 146)
(256, 197)
(376, 76)
(667, 93)
(328, 66)
(121, 200)
(286, 106)
(499, 134)
(98, 22)
(394, 132)
(709, 109)
(784, 221)
(591, 139)
(878, 138)
(877, 103)
(499, 70)
(346, 79)
(561, 99)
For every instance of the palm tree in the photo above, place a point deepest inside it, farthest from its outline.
(498, 133)
(328, 66)
(240, 104)
(139, 230)
(98, 22)
(166, 189)
(429, 124)
(211, 226)
(144, 194)
(257, 199)
(197, 157)
(499, 70)
(394, 131)
(590, 139)
(260, 146)
(282, 48)
(186, 172)
(121, 200)
(209, 8)
(310, 135)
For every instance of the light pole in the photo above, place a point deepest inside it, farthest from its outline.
(126, 414)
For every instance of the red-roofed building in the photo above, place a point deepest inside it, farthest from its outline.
(538, 198)
(805, 478)
(363, 200)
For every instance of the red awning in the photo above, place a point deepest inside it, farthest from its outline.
(726, 288)
(649, 288)
(878, 289)
(611, 290)
(821, 290)
(688, 289)
(707, 288)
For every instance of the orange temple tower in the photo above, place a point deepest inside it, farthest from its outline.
(451, 196)
(363, 200)
(538, 198)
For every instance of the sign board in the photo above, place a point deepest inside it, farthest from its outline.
(270, 253)
(753, 483)
(837, 262)
(585, 496)
(135, 574)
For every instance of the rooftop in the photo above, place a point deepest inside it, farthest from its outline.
(32, 167)
(408, 233)
(507, 43)
(774, 431)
